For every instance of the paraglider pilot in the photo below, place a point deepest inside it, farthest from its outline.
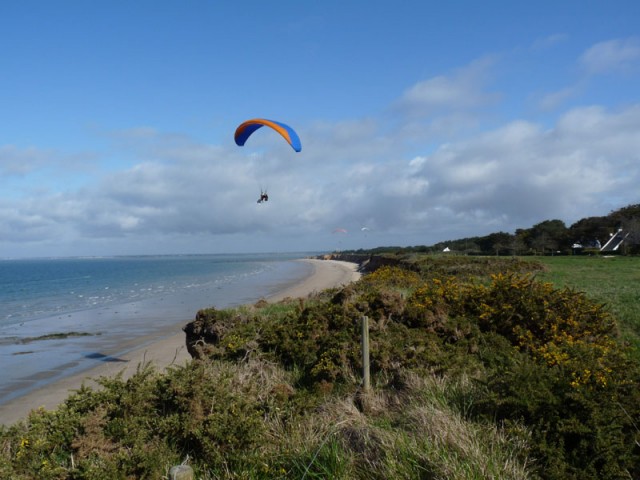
(263, 197)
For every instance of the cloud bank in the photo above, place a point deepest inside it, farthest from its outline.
(412, 179)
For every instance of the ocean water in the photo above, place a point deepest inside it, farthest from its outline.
(112, 302)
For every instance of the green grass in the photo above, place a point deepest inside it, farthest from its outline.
(614, 281)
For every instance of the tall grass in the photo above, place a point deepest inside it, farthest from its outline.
(233, 422)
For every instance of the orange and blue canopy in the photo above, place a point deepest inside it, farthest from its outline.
(245, 129)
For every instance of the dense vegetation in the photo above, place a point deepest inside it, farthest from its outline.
(547, 237)
(613, 281)
(479, 370)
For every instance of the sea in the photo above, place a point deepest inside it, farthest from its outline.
(58, 316)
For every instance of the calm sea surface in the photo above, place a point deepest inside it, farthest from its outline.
(111, 301)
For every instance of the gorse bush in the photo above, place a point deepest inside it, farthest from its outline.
(575, 385)
(543, 357)
(492, 376)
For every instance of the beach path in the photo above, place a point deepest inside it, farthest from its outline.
(168, 350)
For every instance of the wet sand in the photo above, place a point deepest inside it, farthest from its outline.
(165, 348)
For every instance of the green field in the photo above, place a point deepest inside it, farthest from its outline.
(614, 281)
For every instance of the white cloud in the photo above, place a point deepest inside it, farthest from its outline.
(521, 173)
(460, 91)
(16, 162)
(549, 41)
(503, 179)
(553, 100)
(612, 55)
(619, 56)
(405, 187)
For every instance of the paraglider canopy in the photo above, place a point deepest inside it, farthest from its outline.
(245, 129)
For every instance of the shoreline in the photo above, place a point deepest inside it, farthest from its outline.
(165, 347)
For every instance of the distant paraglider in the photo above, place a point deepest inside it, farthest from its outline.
(246, 129)
(339, 232)
(263, 196)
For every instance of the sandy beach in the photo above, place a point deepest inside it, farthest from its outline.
(167, 347)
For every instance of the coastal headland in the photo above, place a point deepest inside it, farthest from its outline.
(167, 348)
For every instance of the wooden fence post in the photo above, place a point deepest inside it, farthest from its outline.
(181, 472)
(366, 380)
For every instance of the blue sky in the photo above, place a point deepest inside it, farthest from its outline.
(421, 121)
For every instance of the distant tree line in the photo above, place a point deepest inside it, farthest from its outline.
(549, 237)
